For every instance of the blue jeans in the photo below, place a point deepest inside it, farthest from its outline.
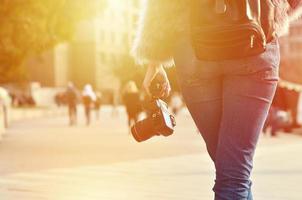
(229, 102)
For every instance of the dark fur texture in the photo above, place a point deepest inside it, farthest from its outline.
(162, 22)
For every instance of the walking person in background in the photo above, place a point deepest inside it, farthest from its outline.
(227, 57)
(280, 118)
(290, 103)
(88, 97)
(113, 101)
(97, 104)
(277, 120)
(131, 99)
(71, 95)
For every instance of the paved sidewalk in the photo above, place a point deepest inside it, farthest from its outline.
(277, 176)
(46, 160)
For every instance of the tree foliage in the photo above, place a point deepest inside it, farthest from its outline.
(31, 26)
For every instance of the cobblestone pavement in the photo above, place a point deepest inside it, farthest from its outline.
(45, 159)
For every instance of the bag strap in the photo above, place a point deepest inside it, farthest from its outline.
(243, 8)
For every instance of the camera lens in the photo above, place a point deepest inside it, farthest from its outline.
(143, 130)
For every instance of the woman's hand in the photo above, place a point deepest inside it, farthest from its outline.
(157, 70)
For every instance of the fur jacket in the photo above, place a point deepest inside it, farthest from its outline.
(162, 21)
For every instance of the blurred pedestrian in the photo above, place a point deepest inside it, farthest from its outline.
(287, 99)
(97, 104)
(114, 103)
(277, 120)
(88, 98)
(292, 99)
(71, 96)
(131, 100)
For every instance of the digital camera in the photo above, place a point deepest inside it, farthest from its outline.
(159, 121)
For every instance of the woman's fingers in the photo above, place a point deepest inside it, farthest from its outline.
(150, 75)
(153, 71)
(167, 90)
(165, 84)
(163, 89)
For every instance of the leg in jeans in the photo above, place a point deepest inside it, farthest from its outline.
(205, 109)
(201, 85)
(247, 96)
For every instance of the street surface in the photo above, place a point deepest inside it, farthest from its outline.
(48, 160)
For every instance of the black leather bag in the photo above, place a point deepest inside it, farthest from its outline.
(229, 29)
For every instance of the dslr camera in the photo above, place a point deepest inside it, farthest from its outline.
(159, 121)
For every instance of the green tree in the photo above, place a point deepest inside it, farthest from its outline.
(31, 26)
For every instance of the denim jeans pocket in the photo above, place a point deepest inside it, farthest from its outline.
(264, 65)
(266, 74)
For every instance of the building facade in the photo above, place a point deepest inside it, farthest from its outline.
(114, 36)
(98, 46)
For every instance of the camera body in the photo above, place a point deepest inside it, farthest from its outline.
(159, 121)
